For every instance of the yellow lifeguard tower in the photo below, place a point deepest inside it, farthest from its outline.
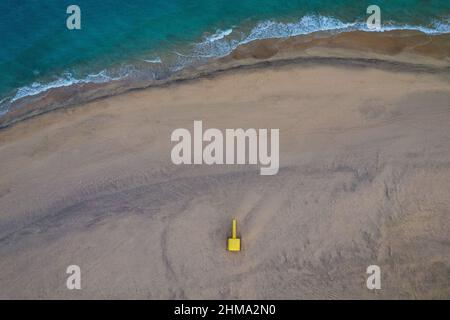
(234, 243)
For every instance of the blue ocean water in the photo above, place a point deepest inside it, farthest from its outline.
(153, 37)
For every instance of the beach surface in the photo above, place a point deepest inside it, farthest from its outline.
(364, 180)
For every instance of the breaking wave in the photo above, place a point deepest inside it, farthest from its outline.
(223, 42)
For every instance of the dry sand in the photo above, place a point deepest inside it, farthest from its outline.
(364, 179)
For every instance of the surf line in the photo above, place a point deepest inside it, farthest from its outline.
(190, 150)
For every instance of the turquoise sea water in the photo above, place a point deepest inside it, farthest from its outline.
(151, 38)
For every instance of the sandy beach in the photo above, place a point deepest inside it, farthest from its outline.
(364, 180)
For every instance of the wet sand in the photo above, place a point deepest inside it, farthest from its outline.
(364, 179)
(404, 50)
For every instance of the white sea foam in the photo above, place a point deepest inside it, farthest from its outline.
(216, 45)
(65, 81)
(310, 24)
(223, 42)
(307, 24)
(155, 60)
(219, 34)
(436, 27)
(442, 26)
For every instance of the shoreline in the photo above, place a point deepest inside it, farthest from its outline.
(402, 50)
